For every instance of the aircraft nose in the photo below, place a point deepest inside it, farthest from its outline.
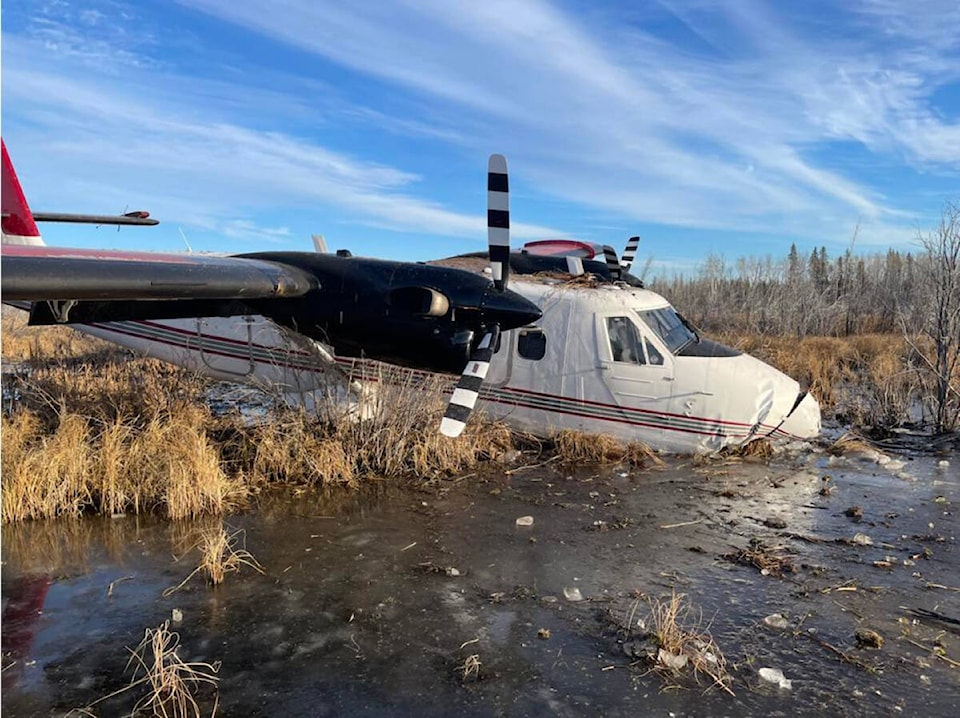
(804, 421)
(508, 309)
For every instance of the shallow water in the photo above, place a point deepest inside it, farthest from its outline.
(359, 612)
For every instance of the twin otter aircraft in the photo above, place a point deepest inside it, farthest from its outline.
(574, 342)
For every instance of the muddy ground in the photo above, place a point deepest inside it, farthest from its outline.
(374, 604)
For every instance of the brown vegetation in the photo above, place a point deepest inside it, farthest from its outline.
(769, 560)
(674, 637)
(95, 434)
(577, 447)
(220, 553)
(870, 380)
(172, 684)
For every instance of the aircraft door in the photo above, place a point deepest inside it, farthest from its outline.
(226, 345)
(636, 371)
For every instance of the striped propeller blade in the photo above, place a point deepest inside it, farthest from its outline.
(498, 220)
(630, 253)
(468, 388)
(613, 262)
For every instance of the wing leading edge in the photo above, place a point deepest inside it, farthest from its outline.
(37, 273)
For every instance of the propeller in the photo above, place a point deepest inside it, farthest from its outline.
(498, 220)
(612, 260)
(467, 391)
(616, 265)
(630, 253)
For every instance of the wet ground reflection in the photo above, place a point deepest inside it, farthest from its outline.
(371, 604)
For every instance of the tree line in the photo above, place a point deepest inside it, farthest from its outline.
(799, 295)
(915, 295)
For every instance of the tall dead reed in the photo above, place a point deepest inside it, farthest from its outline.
(109, 436)
(871, 380)
(169, 465)
(578, 447)
(166, 685)
(220, 553)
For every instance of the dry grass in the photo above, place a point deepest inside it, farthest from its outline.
(575, 447)
(84, 465)
(852, 443)
(172, 683)
(872, 380)
(44, 476)
(469, 670)
(681, 639)
(769, 560)
(220, 553)
(400, 435)
(111, 437)
(756, 450)
(39, 344)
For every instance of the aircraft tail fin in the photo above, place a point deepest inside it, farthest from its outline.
(18, 225)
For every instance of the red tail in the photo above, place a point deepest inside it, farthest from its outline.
(18, 225)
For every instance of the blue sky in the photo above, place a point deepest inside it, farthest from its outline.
(732, 128)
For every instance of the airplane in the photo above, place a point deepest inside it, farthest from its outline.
(591, 349)
(267, 317)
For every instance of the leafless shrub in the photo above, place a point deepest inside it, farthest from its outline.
(939, 319)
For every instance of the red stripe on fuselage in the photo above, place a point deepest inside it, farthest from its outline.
(763, 430)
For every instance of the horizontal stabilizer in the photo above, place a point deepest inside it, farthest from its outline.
(137, 219)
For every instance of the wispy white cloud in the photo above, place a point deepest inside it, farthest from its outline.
(204, 171)
(759, 121)
(652, 131)
(245, 229)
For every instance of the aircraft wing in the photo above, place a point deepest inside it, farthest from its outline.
(37, 273)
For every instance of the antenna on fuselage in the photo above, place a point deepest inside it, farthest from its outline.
(319, 243)
(184, 238)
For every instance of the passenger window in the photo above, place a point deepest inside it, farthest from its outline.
(626, 344)
(653, 356)
(532, 344)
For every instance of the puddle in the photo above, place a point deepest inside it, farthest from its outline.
(374, 604)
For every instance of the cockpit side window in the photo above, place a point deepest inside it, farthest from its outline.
(626, 344)
(670, 327)
(653, 356)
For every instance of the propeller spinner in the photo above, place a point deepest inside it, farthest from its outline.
(465, 395)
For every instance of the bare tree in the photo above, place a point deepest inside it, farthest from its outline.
(938, 293)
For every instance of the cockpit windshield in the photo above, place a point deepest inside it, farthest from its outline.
(669, 326)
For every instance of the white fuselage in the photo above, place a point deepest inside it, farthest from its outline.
(592, 363)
